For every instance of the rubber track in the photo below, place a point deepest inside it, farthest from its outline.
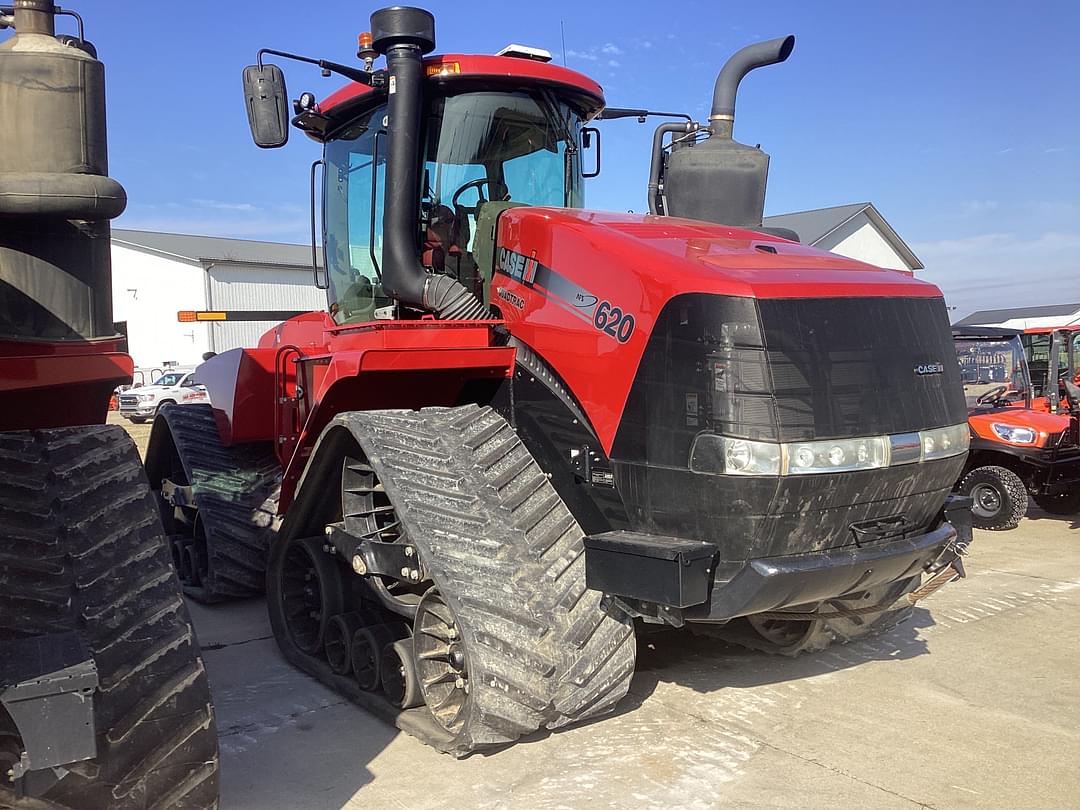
(508, 558)
(235, 490)
(81, 547)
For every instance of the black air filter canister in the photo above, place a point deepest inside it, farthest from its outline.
(56, 198)
(719, 179)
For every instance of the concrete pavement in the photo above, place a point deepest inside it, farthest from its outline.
(974, 703)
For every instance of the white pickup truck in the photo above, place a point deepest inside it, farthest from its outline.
(171, 388)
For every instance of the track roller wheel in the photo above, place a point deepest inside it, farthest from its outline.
(397, 671)
(441, 663)
(788, 637)
(310, 590)
(338, 642)
(366, 652)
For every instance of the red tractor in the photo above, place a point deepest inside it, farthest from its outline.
(521, 429)
(104, 701)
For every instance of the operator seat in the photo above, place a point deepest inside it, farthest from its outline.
(446, 246)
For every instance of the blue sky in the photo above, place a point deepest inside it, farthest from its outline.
(959, 120)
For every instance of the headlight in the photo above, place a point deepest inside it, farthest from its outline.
(1014, 434)
(838, 455)
(146, 397)
(726, 455)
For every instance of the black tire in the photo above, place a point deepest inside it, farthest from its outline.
(137, 420)
(81, 548)
(1067, 503)
(1000, 498)
(235, 491)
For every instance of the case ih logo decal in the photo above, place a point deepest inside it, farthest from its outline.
(518, 267)
(929, 368)
(604, 316)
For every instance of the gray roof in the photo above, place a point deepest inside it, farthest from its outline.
(813, 226)
(216, 248)
(991, 316)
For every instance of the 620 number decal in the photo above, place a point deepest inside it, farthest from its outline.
(613, 321)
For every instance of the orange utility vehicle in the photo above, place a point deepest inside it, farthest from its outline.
(1017, 447)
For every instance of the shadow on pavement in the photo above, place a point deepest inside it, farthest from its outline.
(1071, 521)
(707, 664)
(280, 731)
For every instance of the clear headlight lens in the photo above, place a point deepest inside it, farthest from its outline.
(837, 455)
(944, 442)
(1014, 434)
(146, 397)
(726, 455)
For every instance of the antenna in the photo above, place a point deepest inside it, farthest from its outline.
(562, 33)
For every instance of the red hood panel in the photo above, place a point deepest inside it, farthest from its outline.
(742, 262)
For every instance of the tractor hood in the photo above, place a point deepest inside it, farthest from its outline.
(684, 255)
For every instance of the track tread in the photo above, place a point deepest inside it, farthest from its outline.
(235, 491)
(541, 656)
(120, 594)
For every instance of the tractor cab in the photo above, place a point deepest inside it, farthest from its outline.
(486, 147)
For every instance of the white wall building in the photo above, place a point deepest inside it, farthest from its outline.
(155, 275)
(857, 231)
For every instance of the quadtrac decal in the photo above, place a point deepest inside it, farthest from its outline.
(604, 316)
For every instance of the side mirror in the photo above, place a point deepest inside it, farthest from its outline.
(587, 143)
(267, 109)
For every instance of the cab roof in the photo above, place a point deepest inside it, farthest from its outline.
(446, 70)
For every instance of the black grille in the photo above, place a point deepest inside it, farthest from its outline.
(789, 370)
(850, 366)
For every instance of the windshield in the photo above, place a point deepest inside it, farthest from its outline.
(992, 371)
(169, 380)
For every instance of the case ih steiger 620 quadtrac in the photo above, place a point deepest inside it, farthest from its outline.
(104, 702)
(520, 428)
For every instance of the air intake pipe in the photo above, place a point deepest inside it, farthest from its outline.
(403, 35)
(718, 179)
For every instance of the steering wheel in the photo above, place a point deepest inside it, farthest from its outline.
(992, 395)
(478, 184)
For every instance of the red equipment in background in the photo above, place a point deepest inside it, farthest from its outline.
(103, 697)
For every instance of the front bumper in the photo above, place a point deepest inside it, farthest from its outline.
(679, 580)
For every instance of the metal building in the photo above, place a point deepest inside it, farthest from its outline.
(155, 275)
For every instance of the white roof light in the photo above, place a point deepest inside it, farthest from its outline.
(525, 52)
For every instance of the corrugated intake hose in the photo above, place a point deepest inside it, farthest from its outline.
(449, 299)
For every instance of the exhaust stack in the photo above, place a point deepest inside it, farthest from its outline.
(403, 35)
(719, 179)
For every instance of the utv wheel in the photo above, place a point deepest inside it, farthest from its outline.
(1067, 503)
(999, 497)
(789, 637)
